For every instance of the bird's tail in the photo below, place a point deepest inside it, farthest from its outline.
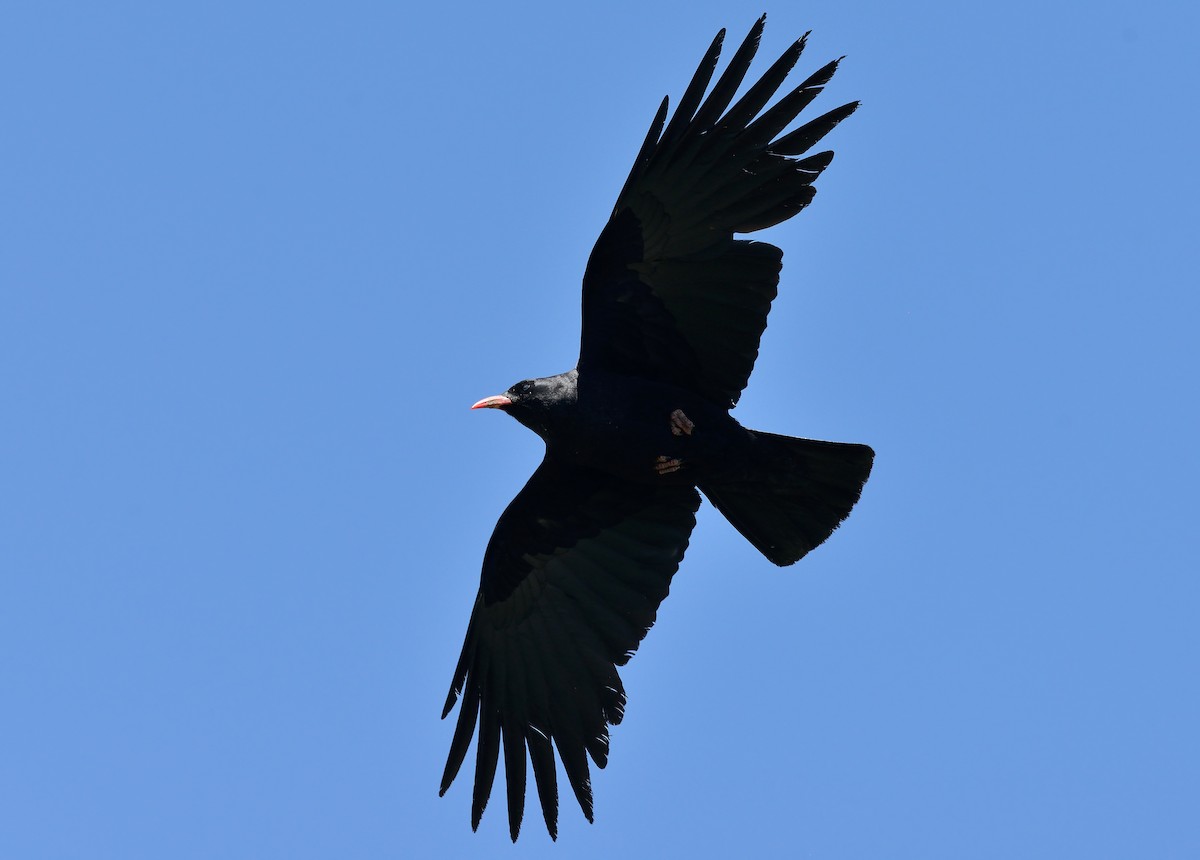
(792, 494)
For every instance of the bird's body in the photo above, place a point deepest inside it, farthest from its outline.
(621, 425)
(673, 310)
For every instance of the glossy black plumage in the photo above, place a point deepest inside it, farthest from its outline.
(673, 310)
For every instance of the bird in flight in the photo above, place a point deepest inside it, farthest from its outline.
(673, 310)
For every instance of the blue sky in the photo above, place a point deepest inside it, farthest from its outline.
(256, 261)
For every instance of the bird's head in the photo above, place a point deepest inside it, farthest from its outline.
(536, 403)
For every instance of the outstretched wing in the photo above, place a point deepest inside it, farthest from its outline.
(669, 294)
(572, 580)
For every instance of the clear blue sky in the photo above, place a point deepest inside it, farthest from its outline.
(256, 260)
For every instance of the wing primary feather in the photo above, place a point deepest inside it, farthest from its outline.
(648, 147)
(574, 759)
(543, 725)
(815, 164)
(806, 136)
(541, 759)
(693, 94)
(539, 727)
(821, 76)
(487, 752)
(460, 669)
(465, 728)
(514, 774)
(514, 720)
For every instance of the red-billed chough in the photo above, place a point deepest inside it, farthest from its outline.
(673, 310)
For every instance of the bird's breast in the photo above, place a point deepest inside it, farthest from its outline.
(629, 427)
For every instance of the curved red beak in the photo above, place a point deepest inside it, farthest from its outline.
(498, 401)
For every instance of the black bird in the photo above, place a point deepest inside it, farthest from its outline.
(673, 309)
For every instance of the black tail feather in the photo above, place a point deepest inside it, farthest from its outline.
(793, 496)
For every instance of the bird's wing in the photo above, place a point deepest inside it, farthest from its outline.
(572, 580)
(668, 293)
